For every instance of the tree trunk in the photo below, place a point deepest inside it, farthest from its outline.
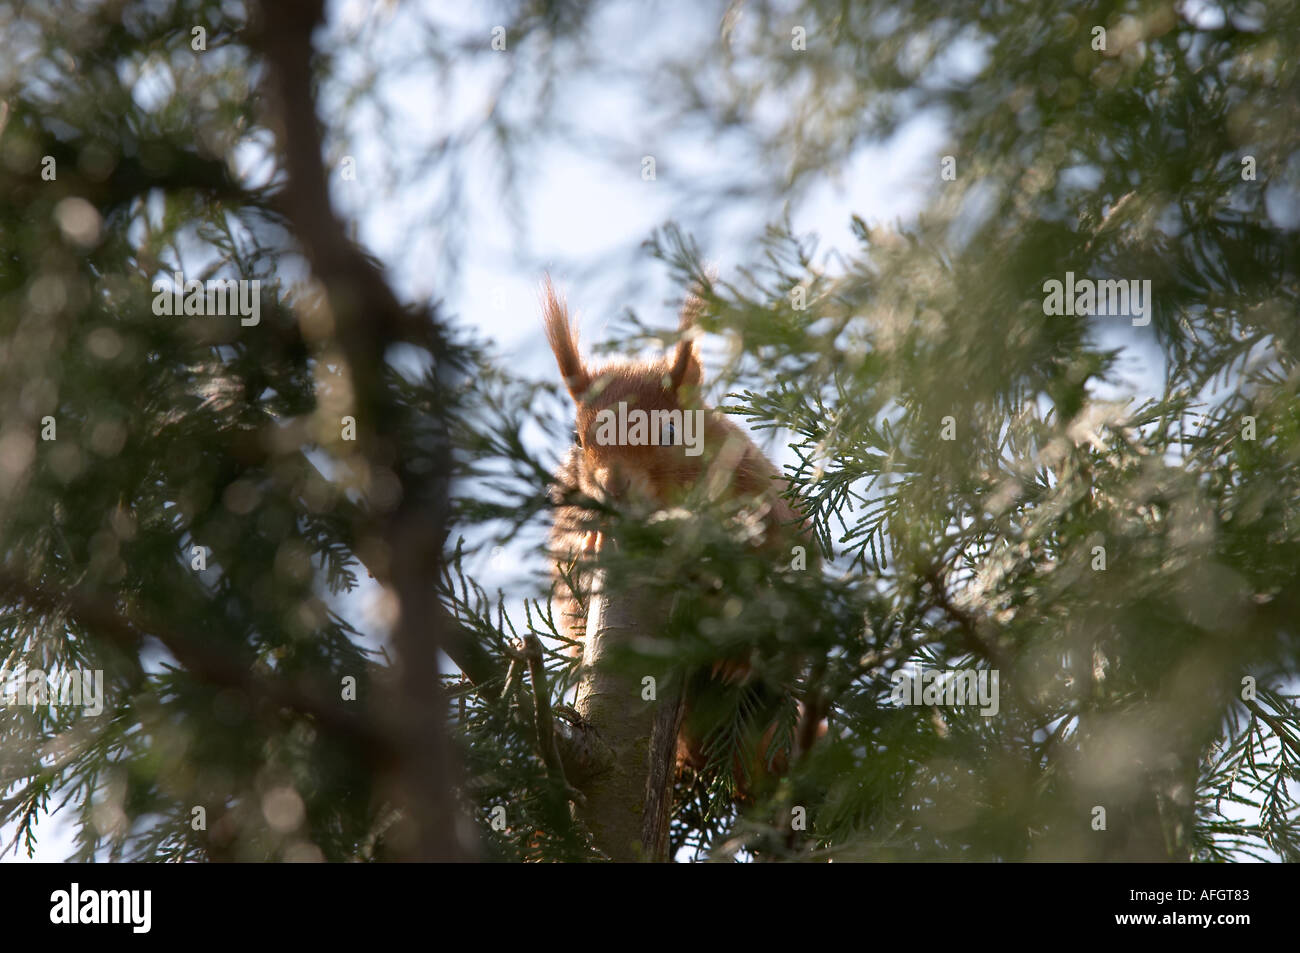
(629, 800)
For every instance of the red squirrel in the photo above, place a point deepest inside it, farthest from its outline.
(641, 468)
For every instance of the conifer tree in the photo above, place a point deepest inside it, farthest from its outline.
(1043, 616)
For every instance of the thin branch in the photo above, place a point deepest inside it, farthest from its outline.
(209, 665)
(543, 720)
(368, 320)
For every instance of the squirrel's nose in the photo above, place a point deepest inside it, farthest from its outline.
(621, 483)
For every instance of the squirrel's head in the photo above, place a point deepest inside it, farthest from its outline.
(640, 427)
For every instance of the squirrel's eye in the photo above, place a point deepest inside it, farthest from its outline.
(670, 435)
(577, 438)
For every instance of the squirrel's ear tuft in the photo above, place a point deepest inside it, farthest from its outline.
(563, 338)
(686, 364)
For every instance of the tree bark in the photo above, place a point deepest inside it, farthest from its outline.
(630, 799)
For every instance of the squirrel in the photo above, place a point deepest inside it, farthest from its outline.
(657, 471)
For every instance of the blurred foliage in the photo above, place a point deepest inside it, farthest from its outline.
(962, 457)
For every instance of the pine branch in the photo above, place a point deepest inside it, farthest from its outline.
(99, 617)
